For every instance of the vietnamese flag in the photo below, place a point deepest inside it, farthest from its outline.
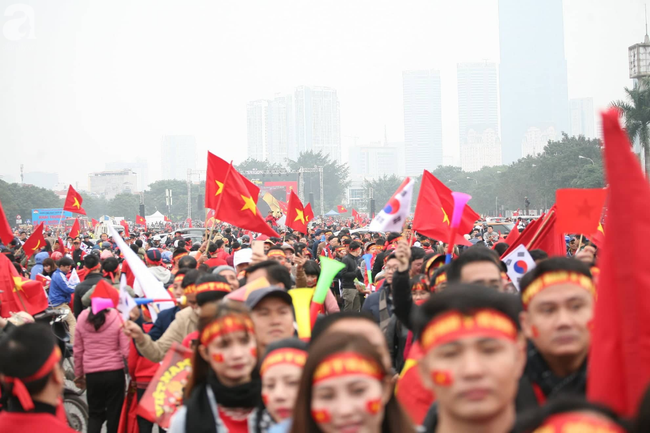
(619, 358)
(236, 205)
(341, 209)
(93, 222)
(410, 390)
(356, 216)
(166, 219)
(6, 235)
(35, 242)
(124, 224)
(296, 214)
(73, 202)
(74, 230)
(579, 210)
(18, 293)
(216, 177)
(447, 202)
(140, 220)
(598, 237)
(309, 214)
(431, 219)
(284, 207)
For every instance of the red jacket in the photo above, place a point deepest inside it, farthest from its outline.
(141, 369)
(19, 422)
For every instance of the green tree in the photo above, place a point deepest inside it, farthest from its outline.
(20, 199)
(383, 189)
(636, 109)
(124, 205)
(154, 199)
(95, 206)
(335, 179)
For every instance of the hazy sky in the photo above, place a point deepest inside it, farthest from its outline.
(97, 81)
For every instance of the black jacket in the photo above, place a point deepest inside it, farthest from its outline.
(80, 291)
(350, 272)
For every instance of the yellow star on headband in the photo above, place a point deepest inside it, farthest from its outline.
(249, 204)
(300, 215)
(446, 218)
(76, 203)
(220, 187)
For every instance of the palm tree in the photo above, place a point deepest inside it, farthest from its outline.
(636, 110)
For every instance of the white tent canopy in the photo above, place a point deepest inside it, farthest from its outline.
(157, 217)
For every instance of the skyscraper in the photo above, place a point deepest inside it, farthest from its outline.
(533, 72)
(422, 121)
(178, 155)
(582, 117)
(318, 121)
(280, 130)
(478, 115)
(256, 129)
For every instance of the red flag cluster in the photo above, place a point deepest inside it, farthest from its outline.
(18, 293)
(233, 197)
(539, 234)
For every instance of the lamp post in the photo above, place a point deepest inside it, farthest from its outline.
(584, 157)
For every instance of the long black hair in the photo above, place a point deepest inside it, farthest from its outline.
(97, 320)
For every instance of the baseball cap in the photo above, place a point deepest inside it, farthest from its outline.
(286, 246)
(256, 296)
(242, 256)
(154, 255)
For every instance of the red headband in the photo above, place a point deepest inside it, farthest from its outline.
(226, 325)
(454, 325)
(346, 363)
(19, 389)
(286, 355)
(273, 253)
(578, 422)
(213, 286)
(554, 278)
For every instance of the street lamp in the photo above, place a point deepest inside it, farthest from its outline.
(584, 157)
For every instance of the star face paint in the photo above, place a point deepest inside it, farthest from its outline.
(373, 406)
(321, 416)
(442, 377)
(535, 331)
(217, 357)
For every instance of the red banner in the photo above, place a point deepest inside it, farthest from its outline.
(164, 395)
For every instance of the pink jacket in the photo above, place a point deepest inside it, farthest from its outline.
(102, 350)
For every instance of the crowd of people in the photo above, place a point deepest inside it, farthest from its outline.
(488, 357)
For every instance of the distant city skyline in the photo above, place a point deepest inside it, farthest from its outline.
(309, 119)
(177, 155)
(111, 84)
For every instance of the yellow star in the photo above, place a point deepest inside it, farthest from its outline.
(249, 204)
(300, 215)
(37, 245)
(18, 283)
(220, 187)
(446, 218)
(76, 203)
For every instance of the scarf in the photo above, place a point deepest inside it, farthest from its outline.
(550, 385)
(200, 416)
(385, 311)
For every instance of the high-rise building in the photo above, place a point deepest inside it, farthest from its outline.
(139, 167)
(280, 130)
(478, 115)
(582, 117)
(110, 183)
(318, 121)
(533, 71)
(422, 121)
(374, 160)
(178, 155)
(480, 150)
(536, 139)
(256, 129)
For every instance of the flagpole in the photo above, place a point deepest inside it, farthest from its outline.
(579, 244)
(216, 211)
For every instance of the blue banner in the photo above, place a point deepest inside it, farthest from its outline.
(49, 217)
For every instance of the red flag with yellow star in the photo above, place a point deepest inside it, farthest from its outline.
(309, 214)
(18, 293)
(432, 219)
(296, 218)
(73, 202)
(215, 178)
(35, 242)
(236, 205)
(6, 235)
(140, 220)
(75, 229)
